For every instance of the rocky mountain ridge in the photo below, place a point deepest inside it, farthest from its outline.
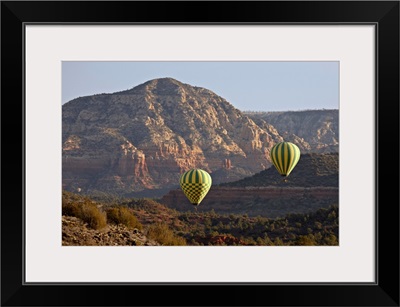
(311, 130)
(144, 138)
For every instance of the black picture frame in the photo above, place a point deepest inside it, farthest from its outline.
(383, 14)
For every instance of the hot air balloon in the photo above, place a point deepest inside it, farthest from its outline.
(285, 156)
(195, 183)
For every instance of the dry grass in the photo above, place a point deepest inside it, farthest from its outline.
(87, 212)
(124, 216)
(165, 236)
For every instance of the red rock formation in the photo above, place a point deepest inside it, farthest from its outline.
(227, 164)
(145, 137)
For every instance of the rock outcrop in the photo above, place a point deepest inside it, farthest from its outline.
(146, 137)
(314, 131)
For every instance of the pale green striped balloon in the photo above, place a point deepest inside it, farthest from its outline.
(195, 184)
(285, 156)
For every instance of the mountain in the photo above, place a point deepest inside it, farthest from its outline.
(312, 130)
(139, 141)
(146, 137)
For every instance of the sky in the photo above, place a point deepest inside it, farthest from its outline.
(247, 85)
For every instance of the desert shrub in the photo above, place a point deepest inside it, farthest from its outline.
(306, 240)
(87, 212)
(165, 236)
(71, 209)
(331, 239)
(122, 215)
(95, 218)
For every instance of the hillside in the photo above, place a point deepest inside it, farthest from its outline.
(312, 170)
(313, 184)
(148, 223)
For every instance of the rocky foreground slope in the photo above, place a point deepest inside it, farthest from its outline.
(77, 232)
(143, 222)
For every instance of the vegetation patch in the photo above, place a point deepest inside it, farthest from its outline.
(123, 215)
(87, 211)
(161, 233)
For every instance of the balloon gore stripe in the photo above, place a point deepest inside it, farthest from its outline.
(285, 156)
(195, 184)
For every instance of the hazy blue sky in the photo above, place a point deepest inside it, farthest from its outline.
(249, 86)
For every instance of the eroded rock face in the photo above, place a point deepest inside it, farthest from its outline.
(314, 131)
(146, 137)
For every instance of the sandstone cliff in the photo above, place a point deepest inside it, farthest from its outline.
(145, 137)
(312, 130)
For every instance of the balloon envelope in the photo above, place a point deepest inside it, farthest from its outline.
(285, 156)
(195, 184)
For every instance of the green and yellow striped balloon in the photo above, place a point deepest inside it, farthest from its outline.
(195, 183)
(285, 156)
